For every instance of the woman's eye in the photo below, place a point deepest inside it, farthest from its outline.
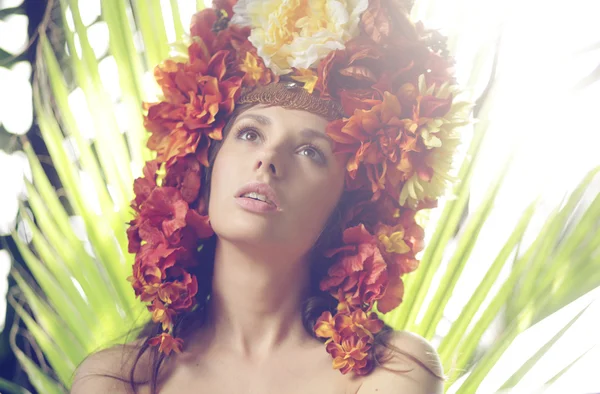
(313, 153)
(247, 134)
(310, 152)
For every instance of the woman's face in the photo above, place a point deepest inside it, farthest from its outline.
(287, 151)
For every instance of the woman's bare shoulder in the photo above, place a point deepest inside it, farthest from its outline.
(108, 370)
(414, 367)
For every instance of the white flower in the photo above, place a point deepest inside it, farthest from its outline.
(297, 33)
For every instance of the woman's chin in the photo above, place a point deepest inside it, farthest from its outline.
(254, 233)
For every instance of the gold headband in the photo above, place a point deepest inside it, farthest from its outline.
(292, 95)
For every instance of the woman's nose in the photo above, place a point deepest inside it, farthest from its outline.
(268, 162)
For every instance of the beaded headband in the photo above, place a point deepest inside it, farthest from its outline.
(292, 95)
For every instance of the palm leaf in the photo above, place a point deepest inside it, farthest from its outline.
(11, 388)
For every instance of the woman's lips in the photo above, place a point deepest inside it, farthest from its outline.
(253, 205)
(260, 188)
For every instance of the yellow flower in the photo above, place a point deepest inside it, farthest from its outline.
(442, 137)
(308, 77)
(298, 33)
(395, 242)
(251, 67)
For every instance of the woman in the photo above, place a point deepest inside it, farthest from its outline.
(279, 212)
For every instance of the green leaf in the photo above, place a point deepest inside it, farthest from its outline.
(179, 32)
(89, 275)
(57, 357)
(130, 69)
(38, 378)
(455, 335)
(11, 388)
(97, 226)
(526, 367)
(148, 17)
(553, 380)
(459, 259)
(541, 271)
(492, 355)
(111, 144)
(11, 11)
(53, 289)
(51, 321)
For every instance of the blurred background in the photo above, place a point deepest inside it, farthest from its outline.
(532, 67)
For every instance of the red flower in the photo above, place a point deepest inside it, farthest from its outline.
(225, 5)
(393, 295)
(167, 343)
(181, 289)
(143, 186)
(160, 255)
(359, 277)
(387, 21)
(186, 176)
(173, 286)
(350, 73)
(363, 209)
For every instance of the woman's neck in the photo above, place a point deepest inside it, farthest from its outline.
(256, 300)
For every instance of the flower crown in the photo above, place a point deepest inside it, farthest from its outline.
(392, 80)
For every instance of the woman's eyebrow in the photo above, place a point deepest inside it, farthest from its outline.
(306, 132)
(312, 133)
(263, 120)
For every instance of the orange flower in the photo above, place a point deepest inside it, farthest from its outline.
(161, 313)
(198, 100)
(350, 355)
(365, 325)
(145, 282)
(167, 343)
(344, 324)
(359, 276)
(242, 60)
(381, 143)
(325, 326)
